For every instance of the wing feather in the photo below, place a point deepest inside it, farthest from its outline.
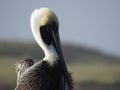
(22, 66)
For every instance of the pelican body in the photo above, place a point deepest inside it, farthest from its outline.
(51, 72)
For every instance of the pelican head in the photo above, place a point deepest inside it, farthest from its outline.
(44, 25)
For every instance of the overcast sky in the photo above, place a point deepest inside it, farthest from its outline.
(93, 23)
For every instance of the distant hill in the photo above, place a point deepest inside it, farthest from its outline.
(71, 52)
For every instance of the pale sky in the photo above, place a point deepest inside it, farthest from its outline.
(93, 23)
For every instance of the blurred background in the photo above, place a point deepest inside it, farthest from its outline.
(90, 35)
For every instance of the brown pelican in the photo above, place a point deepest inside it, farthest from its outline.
(51, 72)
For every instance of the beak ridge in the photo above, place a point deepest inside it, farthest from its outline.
(57, 45)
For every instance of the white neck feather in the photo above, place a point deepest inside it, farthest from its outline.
(50, 52)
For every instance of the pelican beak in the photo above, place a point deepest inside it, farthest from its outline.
(56, 40)
(57, 45)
